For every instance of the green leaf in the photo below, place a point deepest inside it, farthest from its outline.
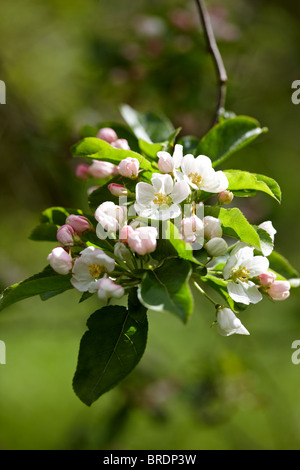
(97, 149)
(243, 180)
(57, 215)
(151, 127)
(266, 242)
(282, 266)
(150, 150)
(44, 232)
(235, 225)
(228, 137)
(45, 283)
(166, 289)
(109, 351)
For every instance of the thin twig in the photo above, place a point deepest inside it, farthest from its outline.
(217, 58)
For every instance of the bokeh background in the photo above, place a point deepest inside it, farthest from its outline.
(67, 64)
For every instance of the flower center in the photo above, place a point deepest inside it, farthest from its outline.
(195, 178)
(161, 199)
(241, 274)
(95, 270)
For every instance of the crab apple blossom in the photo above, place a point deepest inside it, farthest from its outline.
(168, 163)
(129, 167)
(89, 267)
(60, 260)
(110, 216)
(199, 174)
(240, 268)
(117, 190)
(279, 290)
(80, 223)
(160, 200)
(228, 323)
(107, 134)
(66, 235)
(212, 227)
(216, 247)
(143, 240)
(191, 228)
(99, 169)
(106, 288)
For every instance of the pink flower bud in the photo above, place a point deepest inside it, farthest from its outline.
(106, 288)
(65, 235)
(212, 227)
(129, 167)
(166, 163)
(143, 240)
(225, 197)
(60, 260)
(121, 144)
(266, 279)
(79, 223)
(82, 171)
(191, 228)
(125, 231)
(279, 290)
(107, 134)
(100, 169)
(117, 189)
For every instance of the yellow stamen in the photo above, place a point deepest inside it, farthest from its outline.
(195, 179)
(241, 274)
(95, 270)
(161, 199)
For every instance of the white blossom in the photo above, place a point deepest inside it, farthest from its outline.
(89, 267)
(199, 174)
(159, 200)
(241, 266)
(228, 323)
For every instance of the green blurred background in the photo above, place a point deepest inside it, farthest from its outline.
(67, 64)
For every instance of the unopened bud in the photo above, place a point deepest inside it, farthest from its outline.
(79, 223)
(117, 189)
(212, 227)
(65, 235)
(100, 169)
(107, 134)
(225, 197)
(216, 247)
(60, 260)
(129, 167)
(82, 171)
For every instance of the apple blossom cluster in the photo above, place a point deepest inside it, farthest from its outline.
(172, 194)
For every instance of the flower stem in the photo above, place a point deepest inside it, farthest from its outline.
(217, 58)
(205, 294)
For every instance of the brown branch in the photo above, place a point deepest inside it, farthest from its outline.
(217, 58)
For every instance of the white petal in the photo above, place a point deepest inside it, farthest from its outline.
(203, 165)
(144, 193)
(180, 192)
(178, 155)
(162, 183)
(188, 165)
(215, 182)
(229, 266)
(257, 265)
(254, 295)
(237, 292)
